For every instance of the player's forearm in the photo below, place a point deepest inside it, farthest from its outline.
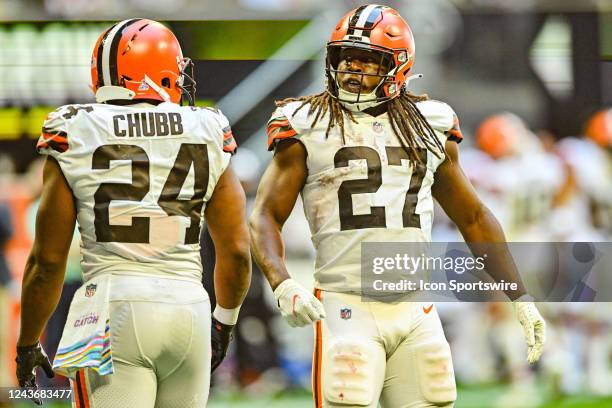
(486, 239)
(267, 247)
(41, 290)
(232, 275)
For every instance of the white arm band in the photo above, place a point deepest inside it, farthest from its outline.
(226, 316)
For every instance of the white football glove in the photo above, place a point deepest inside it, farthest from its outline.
(534, 327)
(298, 306)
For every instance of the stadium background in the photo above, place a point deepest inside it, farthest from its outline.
(548, 62)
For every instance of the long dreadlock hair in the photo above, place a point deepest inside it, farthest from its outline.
(407, 122)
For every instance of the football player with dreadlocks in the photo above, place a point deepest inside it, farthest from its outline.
(139, 172)
(368, 157)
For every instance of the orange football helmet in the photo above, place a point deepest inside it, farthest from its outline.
(141, 59)
(500, 135)
(599, 128)
(381, 31)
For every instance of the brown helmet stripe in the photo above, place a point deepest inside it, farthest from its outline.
(114, 47)
(369, 24)
(99, 57)
(354, 19)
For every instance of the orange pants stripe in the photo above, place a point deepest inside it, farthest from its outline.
(316, 361)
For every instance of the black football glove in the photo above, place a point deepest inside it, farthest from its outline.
(28, 358)
(220, 337)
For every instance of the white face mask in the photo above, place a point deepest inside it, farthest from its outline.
(349, 100)
(366, 100)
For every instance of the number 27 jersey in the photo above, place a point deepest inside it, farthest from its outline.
(141, 176)
(363, 188)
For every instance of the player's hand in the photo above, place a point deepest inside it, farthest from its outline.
(220, 337)
(534, 328)
(298, 306)
(28, 358)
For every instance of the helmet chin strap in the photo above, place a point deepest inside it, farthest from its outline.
(113, 92)
(366, 100)
(160, 91)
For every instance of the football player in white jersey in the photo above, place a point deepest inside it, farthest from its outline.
(590, 158)
(367, 158)
(515, 176)
(138, 172)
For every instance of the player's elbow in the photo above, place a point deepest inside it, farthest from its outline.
(234, 268)
(481, 225)
(43, 265)
(236, 255)
(474, 219)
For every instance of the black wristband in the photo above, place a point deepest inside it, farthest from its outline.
(222, 326)
(25, 349)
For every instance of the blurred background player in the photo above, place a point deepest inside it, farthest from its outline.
(590, 159)
(139, 172)
(368, 124)
(515, 176)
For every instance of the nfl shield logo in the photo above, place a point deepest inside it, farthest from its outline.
(90, 290)
(378, 127)
(143, 86)
(345, 313)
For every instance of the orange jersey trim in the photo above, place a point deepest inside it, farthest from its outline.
(317, 359)
(229, 143)
(454, 133)
(279, 129)
(56, 140)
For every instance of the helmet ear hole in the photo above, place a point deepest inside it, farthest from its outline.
(165, 82)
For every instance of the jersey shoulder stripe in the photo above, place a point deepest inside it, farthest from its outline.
(221, 124)
(279, 128)
(442, 118)
(229, 143)
(454, 133)
(53, 138)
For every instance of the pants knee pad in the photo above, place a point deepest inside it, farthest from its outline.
(436, 374)
(348, 376)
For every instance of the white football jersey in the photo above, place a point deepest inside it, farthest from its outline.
(592, 166)
(141, 176)
(362, 189)
(518, 189)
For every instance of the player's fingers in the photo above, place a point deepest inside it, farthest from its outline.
(46, 366)
(302, 317)
(312, 313)
(291, 319)
(534, 353)
(318, 306)
(27, 381)
(540, 333)
(529, 333)
(299, 307)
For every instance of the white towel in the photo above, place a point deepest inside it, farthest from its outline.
(86, 341)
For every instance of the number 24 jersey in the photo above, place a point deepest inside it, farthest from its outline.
(362, 189)
(141, 176)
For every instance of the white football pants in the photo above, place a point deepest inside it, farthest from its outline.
(160, 334)
(371, 352)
